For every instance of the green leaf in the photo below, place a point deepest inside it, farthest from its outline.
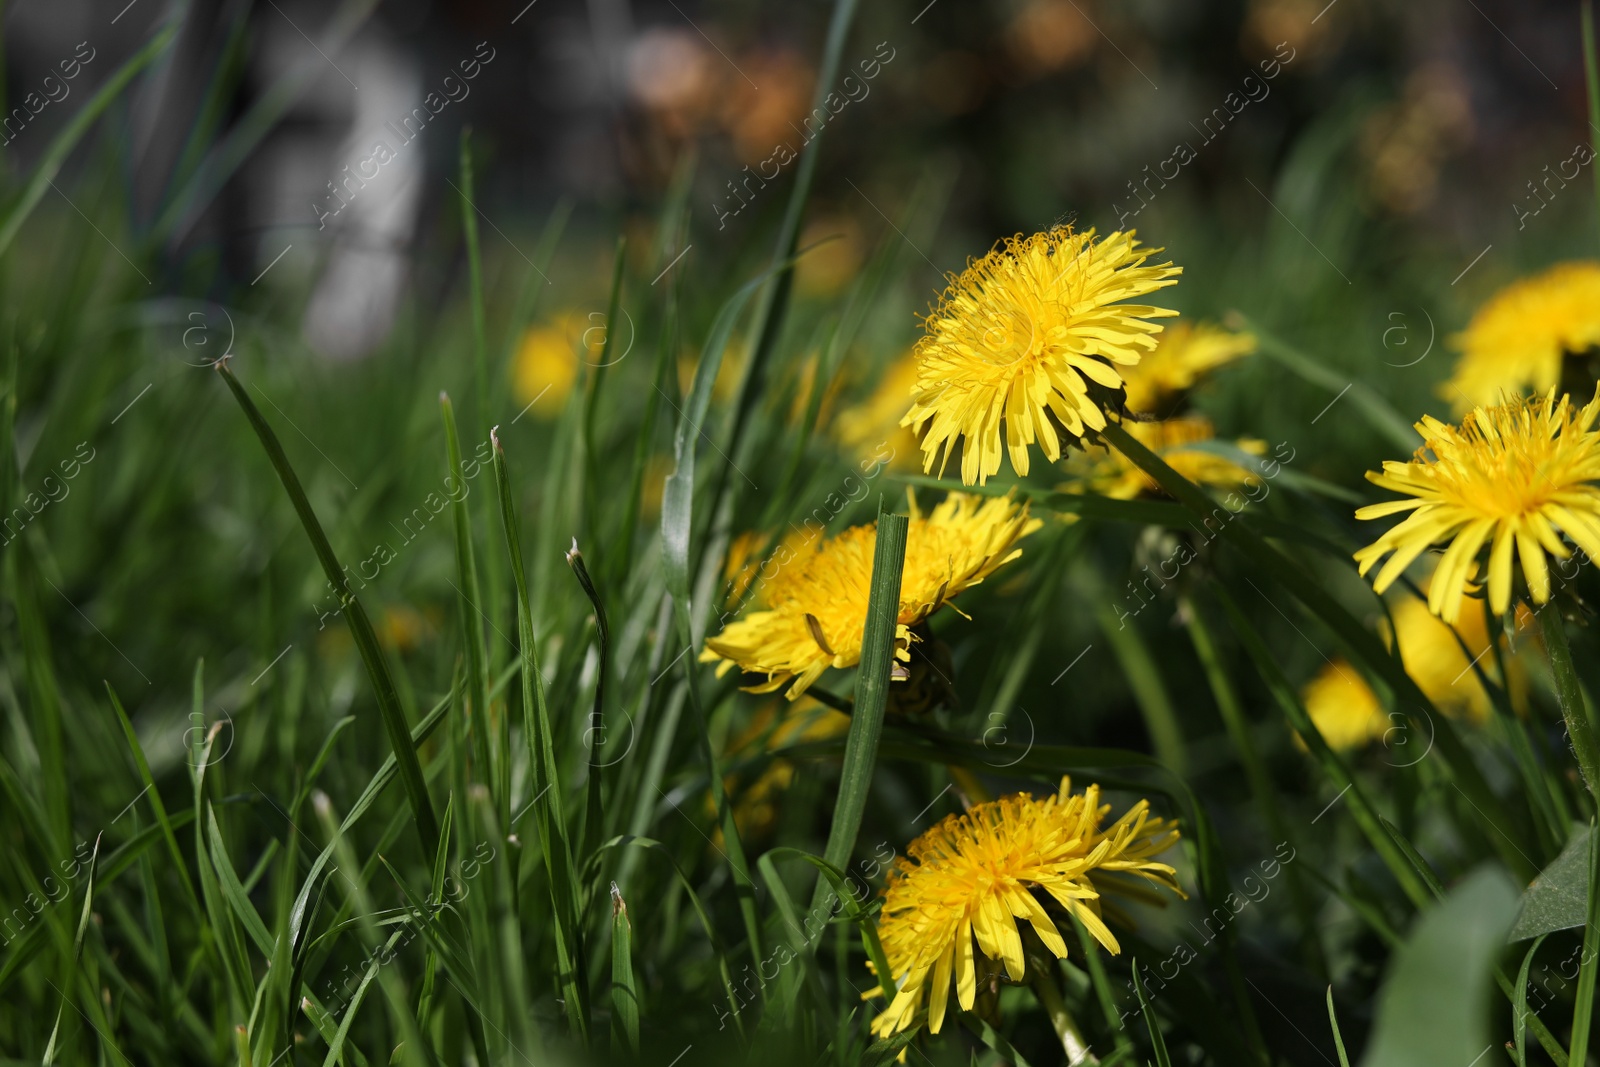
(1558, 899)
(1433, 1005)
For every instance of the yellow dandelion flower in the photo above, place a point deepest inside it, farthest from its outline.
(872, 429)
(1517, 476)
(1517, 341)
(1114, 475)
(1032, 335)
(1343, 707)
(816, 598)
(1185, 353)
(972, 876)
(546, 363)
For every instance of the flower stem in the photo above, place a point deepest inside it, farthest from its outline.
(1044, 987)
(1570, 696)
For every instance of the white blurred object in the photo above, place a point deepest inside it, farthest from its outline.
(353, 306)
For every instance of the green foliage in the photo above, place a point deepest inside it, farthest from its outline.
(506, 815)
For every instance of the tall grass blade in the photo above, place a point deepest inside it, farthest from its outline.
(472, 618)
(1338, 1038)
(394, 721)
(49, 165)
(554, 837)
(1583, 1010)
(1157, 1041)
(50, 1051)
(1519, 1003)
(874, 676)
(1338, 772)
(624, 990)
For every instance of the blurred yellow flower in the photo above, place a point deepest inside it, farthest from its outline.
(1516, 342)
(829, 267)
(1032, 336)
(402, 628)
(1184, 353)
(973, 876)
(1114, 475)
(1347, 711)
(1344, 708)
(869, 427)
(1514, 477)
(816, 598)
(546, 362)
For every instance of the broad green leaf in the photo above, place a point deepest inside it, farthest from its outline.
(1433, 1006)
(1559, 898)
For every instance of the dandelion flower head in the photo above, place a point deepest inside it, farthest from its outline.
(1515, 478)
(1031, 341)
(1185, 353)
(964, 884)
(815, 594)
(1517, 341)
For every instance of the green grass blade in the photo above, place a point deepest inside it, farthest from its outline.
(1157, 1042)
(394, 720)
(1519, 1003)
(775, 297)
(677, 521)
(1338, 772)
(469, 229)
(1583, 1012)
(1378, 412)
(1338, 1038)
(1102, 985)
(1362, 644)
(50, 1051)
(233, 890)
(1569, 694)
(593, 813)
(872, 692)
(706, 923)
(472, 617)
(589, 522)
(61, 146)
(624, 990)
(554, 836)
(246, 133)
(1262, 792)
(1149, 692)
(154, 794)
